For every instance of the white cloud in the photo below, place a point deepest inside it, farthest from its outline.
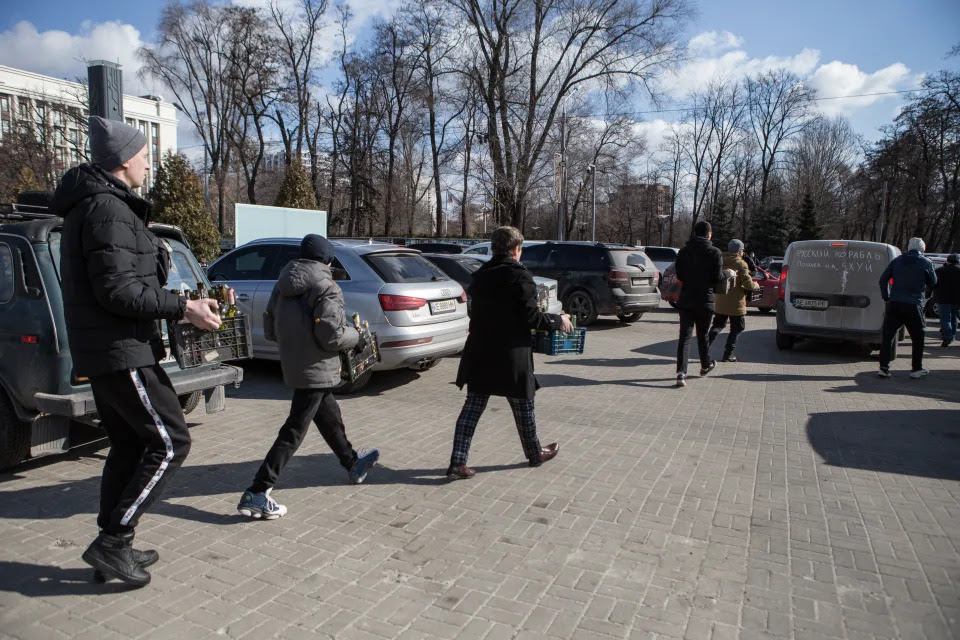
(713, 42)
(734, 65)
(655, 132)
(836, 79)
(63, 55)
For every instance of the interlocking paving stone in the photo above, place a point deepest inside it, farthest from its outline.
(790, 495)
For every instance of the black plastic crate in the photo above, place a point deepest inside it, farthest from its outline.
(353, 365)
(555, 343)
(192, 347)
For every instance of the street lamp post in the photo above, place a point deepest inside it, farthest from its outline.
(660, 219)
(592, 170)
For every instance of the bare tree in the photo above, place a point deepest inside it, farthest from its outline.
(192, 58)
(396, 62)
(779, 105)
(254, 69)
(536, 53)
(298, 29)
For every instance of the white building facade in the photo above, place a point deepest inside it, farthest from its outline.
(61, 106)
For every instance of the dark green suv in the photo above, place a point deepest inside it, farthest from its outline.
(39, 393)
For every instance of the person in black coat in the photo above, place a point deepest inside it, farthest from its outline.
(699, 267)
(946, 294)
(113, 271)
(498, 357)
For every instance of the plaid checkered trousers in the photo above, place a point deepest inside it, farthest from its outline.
(473, 408)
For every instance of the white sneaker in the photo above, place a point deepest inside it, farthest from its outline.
(920, 373)
(883, 373)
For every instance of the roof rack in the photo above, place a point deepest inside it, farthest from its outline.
(14, 211)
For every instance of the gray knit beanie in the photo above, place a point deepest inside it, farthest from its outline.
(112, 143)
(734, 246)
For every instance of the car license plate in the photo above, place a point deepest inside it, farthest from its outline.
(443, 306)
(809, 303)
(640, 282)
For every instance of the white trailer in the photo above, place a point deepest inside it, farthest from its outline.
(254, 221)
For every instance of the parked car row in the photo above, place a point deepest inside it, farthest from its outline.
(417, 303)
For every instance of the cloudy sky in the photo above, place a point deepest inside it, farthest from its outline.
(842, 48)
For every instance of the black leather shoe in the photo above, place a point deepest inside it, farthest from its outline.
(114, 557)
(142, 558)
(548, 453)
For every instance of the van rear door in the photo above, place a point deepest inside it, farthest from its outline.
(812, 283)
(860, 266)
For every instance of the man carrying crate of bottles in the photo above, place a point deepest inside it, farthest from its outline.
(114, 269)
(305, 317)
(498, 357)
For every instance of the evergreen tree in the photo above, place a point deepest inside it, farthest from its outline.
(770, 232)
(296, 192)
(26, 181)
(178, 199)
(722, 224)
(807, 226)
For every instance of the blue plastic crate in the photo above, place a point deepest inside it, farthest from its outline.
(555, 343)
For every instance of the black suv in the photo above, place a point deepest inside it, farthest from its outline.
(39, 393)
(597, 278)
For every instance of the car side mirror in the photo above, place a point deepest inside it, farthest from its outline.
(34, 292)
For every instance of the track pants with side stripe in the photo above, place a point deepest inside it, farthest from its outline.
(149, 441)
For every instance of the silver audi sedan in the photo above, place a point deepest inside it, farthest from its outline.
(418, 313)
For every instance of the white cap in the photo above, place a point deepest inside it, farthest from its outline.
(916, 244)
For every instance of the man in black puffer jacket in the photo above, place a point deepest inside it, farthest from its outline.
(113, 270)
(699, 268)
(498, 357)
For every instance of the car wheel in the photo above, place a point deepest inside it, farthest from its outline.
(630, 317)
(189, 401)
(14, 435)
(672, 304)
(764, 309)
(356, 385)
(580, 305)
(784, 342)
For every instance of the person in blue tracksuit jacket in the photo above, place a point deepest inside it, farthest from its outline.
(911, 274)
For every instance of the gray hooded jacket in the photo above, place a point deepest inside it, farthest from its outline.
(305, 317)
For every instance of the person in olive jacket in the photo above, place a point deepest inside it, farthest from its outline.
(732, 305)
(113, 271)
(497, 359)
(305, 317)
(947, 296)
(699, 267)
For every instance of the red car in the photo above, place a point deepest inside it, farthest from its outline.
(764, 300)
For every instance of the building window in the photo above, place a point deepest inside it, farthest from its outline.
(5, 114)
(155, 144)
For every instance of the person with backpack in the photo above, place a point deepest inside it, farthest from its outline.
(305, 317)
(732, 305)
(946, 295)
(699, 268)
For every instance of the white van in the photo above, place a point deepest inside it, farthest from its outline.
(830, 290)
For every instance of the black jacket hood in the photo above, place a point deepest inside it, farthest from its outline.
(88, 180)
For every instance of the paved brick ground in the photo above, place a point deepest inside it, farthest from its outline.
(791, 495)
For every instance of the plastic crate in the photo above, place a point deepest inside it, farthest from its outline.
(555, 343)
(193, 347)
(353, 365)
